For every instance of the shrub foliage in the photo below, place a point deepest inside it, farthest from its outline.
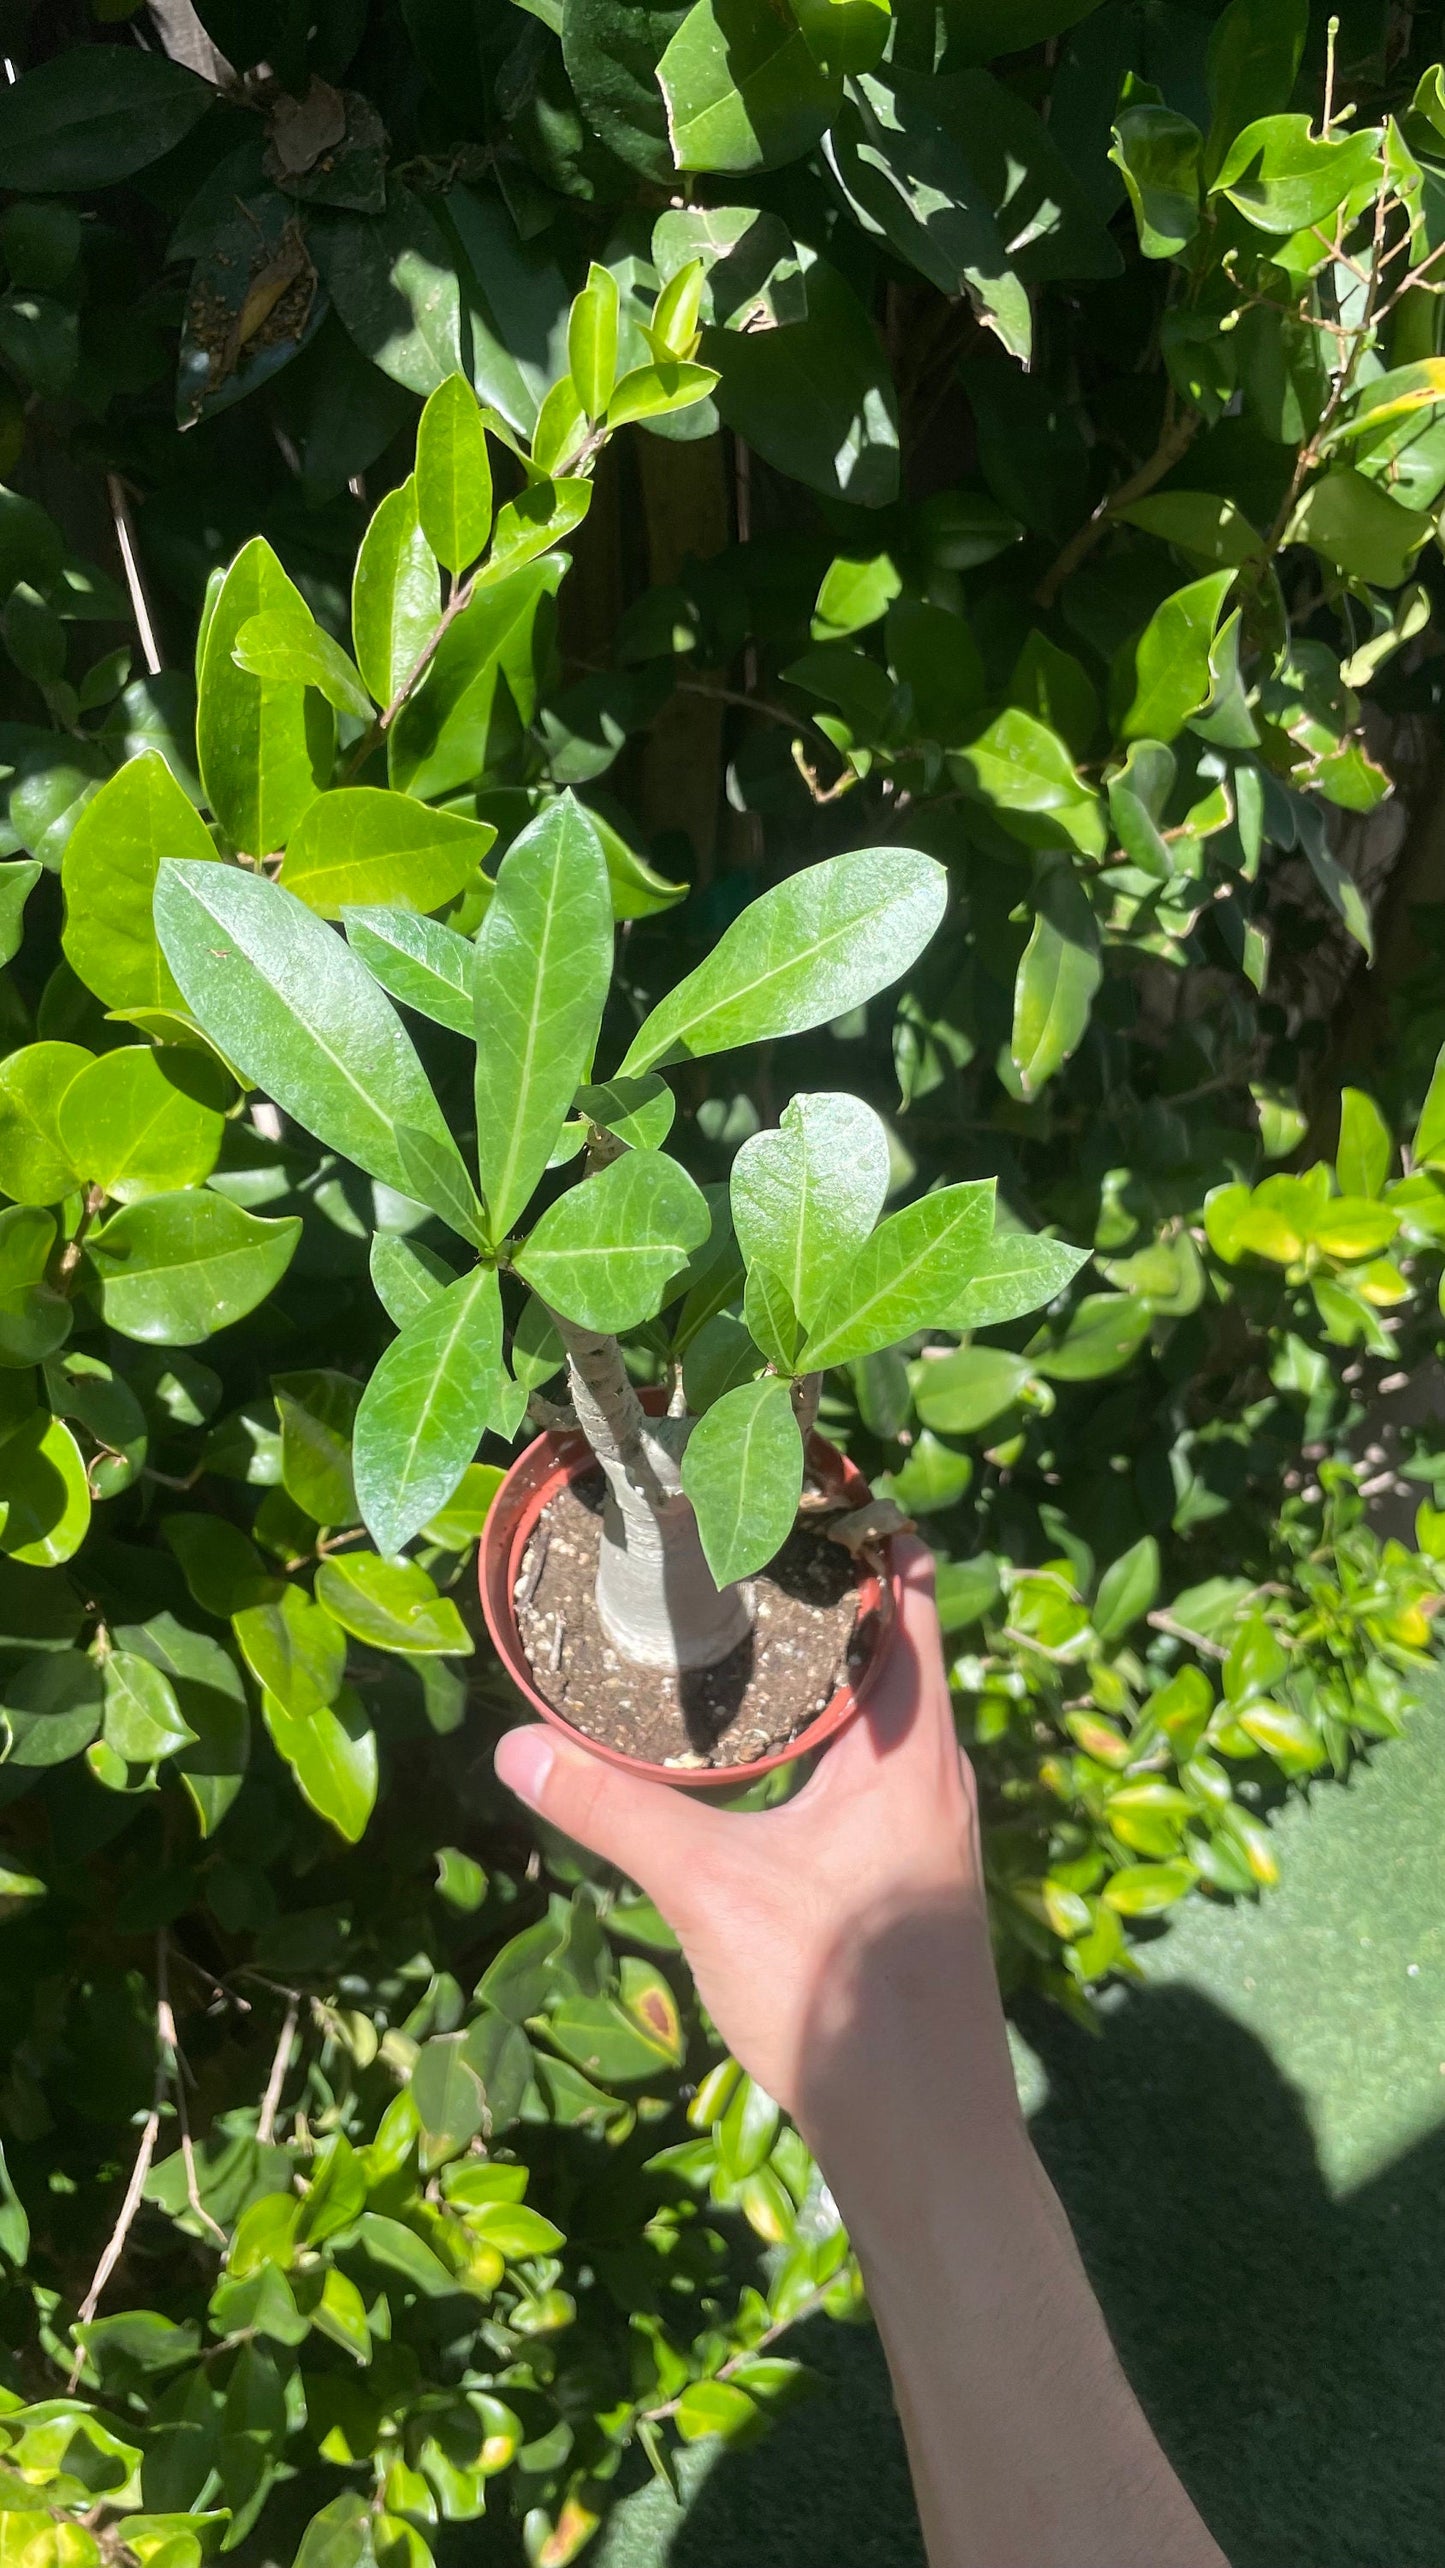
(722, 438)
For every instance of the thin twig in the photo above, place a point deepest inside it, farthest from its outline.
(1174, 442)
(266, 2121)
(1162, 1622)
(134, 580)
(114, 2247)
(166, 2024)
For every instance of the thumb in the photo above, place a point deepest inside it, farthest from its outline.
(652, 1834)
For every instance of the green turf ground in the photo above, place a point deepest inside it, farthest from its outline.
(1254, 2159)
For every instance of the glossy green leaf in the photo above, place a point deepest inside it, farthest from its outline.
(960, 1394)
(741, 88)
(35, 1315)
(480, 688)
(398, 2250)
(361, 846)
(35, 1167)
(448, 2096)
(908, 175)
(814, 947)
(1428, 1147)
(1283, 177)
(940, 1263)
(605, 1252)
(175, 1268)
(223, 1569)
(391, 1605)
(638, 1111)
(453, 475)
(332, 1754)
(317, 1411)
(1160, 153)
(395, 595)
(425, 1408)
(428, 966)
(657, 391)
(592, 341)
(1023, 771)
(1127, 1590)
(264, 744)
(743, 1471)
(805, 1197)
(291, 1005)
(772, 1321)
(211, 1693)
(1201, 523)
(815, 397)
(108, 874)
(1058, 977)
(145, 1121)
(407, 1276)
(544, 962)
(1103, 1335)
(1171, 678)
(44, 1492)
(1358, 528)
(1365, 1149)
(294, 1650)
(142, 1721)
(393, 279)
(1254, 55)
(293, 648)
(84, 121)
(53, 1706)
(541, 516)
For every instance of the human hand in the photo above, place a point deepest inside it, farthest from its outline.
(777, 1910)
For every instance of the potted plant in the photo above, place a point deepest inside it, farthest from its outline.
(681, 1603)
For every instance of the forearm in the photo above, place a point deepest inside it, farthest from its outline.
(1028, 2448)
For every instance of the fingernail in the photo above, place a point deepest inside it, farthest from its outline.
(523, 1761)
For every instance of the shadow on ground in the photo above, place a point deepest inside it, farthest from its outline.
(1287, 2346)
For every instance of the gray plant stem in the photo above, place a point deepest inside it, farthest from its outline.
(657, 1601)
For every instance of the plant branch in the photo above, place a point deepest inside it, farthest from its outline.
(166, 2025)
(1177, 437)
(608, 1409)
(270, 2101)
(808, 2309)
(114, 2247)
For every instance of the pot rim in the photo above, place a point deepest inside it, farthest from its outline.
(552, 1461)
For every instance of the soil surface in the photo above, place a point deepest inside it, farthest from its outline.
(806, 1637)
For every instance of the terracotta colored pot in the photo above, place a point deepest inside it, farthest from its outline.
(548, 1466)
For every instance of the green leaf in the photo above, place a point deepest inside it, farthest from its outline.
(604, 1253)
(53, 1706)
(1058, 976)
(81, 120)
(1362, 1160)
(337, 2194)
(960, 1394)
(721, 1356)
(332, 1754)
(407, 1276)
(544, 962)
(940, 1263)
(108, 874)
(211, 1692)
(771, 1319)
(1284, 178)
(1254, 55)
(175, 1268)
(816, 397)
(447, 2093)
(855, 592)
(393, 279)
(804, 1198)
(395, 595)
(1352, 523)
(461, 1880)
(606, 2042)
(14, 2225)
(1145, 1890)
(360, 846)
(743, 1471)
(317, 1412)
(638, 1111)
(480, 688)
(1171, 675)
(426, 965)
(222, 1568)
(45, 1493)
(541, 516)
(844, 35)
(398, 2250)
(453, 475)
(35, 1316)
(1023, 771)
(715, 2407)
(294, 1650)
(294, 649)
(144, 1121)
(1160, 155)
(810, 949)
(1103, 1335)
(1127, 1589)
(35, 1167)
(932, 1477)
(908, 177)
(392, 1605)
(657, 391)
(1428, 1147)
(265, 745)
(741, 88)
(291, 1005)
(592, 341)
(142, 1721)
(17, 881)
(1198, 522)
(424, 1411)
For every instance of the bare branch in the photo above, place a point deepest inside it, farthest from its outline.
(266, 2121)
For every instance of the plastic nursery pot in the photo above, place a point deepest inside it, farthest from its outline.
(549, 1465)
